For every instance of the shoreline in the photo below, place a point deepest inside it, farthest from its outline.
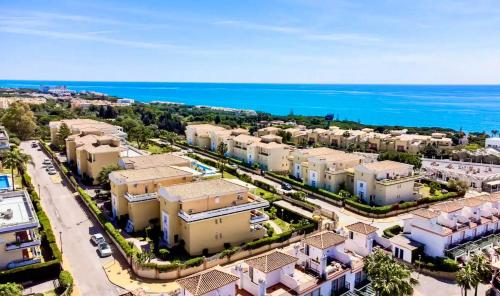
(357, 108)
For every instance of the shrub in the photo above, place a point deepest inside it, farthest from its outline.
(163, 253)
(437, 263)
(228, 252)
(197, 261)
(11, 289)
(392, 231)
(66, 281)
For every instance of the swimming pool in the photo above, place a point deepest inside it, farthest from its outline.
(4, 182)
(205, 169)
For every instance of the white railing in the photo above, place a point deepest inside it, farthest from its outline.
(223, 211)
(140, 197)
(22, 245)
(259, 218)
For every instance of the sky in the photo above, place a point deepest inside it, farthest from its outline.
(269, 41)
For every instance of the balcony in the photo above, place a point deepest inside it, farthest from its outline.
(398, 179)
(258, 217)
(23, 262)
(140, 197)
(23, 244)
(464, 247)
(257, 203)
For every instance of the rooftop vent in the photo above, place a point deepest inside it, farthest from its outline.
(7, 214)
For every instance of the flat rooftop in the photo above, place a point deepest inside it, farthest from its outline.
(154, 160)
(149, 174)
(204, 188)
(479, 170)
(16, 212)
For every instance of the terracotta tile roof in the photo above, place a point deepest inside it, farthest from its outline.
(447, 207)
(271, 261)
(494, 197)
(324, 240)
(362, 228)
(425, 213)
(471, 202)
(208, 281)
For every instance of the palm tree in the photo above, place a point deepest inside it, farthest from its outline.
(15, 159)
(494, 132)
(466, 278)
(388, 277)
(483, 269)
(221, 151)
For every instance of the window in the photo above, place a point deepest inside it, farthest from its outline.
(351, 235)
(216, 221)
(220, 220)
(361, 185)
(217, 199)
(176, 238)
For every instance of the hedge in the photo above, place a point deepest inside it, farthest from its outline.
(34, 272)
(392, 231)
(294, 182)
(279, 237)
(437, 263)
(66, 281)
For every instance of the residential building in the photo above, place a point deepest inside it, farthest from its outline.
(385, 182)
(320, 264)
(134, 192)
(298, 136)
(270, 130)
(91, 153)
(324, 167)
(154, 160)
(492, 143)
(19, 237)
(479, 176)
(213, 282)
(269, 156)
(209, 215)
(237, 147)
(199, 134)
(222, 136)
(362, 238)
(85, 126)
(456, 229)
(4, 139)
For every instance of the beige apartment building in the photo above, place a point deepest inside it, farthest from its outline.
(92, 153)
(134, 192)
(385, 182)
(207, 216)
(19, 239)
(222, 136)
(237, 147)
(270, 156)
(324, 168)
(199, 134)
(154, 160)
(270, 130)
(85, 126)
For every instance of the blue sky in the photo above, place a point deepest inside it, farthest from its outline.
(280, 41)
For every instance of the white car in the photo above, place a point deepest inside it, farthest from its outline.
(52, 171)
(46, 161)
(97, 239)
(104, 249)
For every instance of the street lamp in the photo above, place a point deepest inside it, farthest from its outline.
(38, 190)
(60, 240)
(419, 263)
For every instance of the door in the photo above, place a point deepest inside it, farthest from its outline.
(165, 227)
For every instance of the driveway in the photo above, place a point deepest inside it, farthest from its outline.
(68, 216)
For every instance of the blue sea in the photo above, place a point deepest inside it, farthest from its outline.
(471, 108)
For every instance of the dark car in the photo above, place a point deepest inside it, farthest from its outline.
(286, 186)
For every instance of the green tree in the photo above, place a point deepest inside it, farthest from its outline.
(272, 212)
(221, 151)
(141, 134)
(20, 120)
(217, 119)
(129, 123)
(482, 268)
(430, 151)
(11, 289)
(103, 177)
(15, 159)
(459, 186)
(388, 277)
(403, 157)
(466, 278)
(494, 132)
(63, 133)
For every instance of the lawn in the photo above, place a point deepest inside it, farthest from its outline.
(282, 224)
(229, 176)
(265, 194)
(155, 149)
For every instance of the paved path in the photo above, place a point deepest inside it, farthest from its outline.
(67, 216)
(277, 229)
(430, 286)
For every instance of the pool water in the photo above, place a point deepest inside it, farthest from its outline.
(207, 170)
(4, 182)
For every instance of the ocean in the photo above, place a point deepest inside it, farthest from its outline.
(470, 108)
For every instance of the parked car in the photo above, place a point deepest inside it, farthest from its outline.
(34, 145)
(286, 186)
(46, 161)
(104, 250)
(52, 171)
(97, 239)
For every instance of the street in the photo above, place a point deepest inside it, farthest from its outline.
(73, 225)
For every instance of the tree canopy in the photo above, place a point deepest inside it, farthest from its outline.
(11, 289)
(20, 120)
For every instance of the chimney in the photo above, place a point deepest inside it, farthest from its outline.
(296, 248)
(322, 266)
(262, 287)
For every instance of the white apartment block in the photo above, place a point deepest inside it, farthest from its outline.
(456, 229)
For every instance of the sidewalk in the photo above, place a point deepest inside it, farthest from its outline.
(124, 278)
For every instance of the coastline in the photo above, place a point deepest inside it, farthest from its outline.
(468, 108)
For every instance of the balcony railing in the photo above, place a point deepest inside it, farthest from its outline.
(140, 197)
(258, 217)
(466, 246)
(23, 262)
(254, 205)
(23, 244)
(400, 179)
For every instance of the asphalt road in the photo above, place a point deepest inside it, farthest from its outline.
(67, 216)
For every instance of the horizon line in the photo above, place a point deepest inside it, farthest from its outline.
(275, 83)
